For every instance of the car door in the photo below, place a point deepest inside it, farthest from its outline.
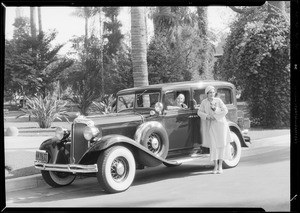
(177, 121)
(226, 95)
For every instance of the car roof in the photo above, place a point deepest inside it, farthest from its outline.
(178, 85)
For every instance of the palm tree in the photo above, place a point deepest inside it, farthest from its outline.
(33, 21)
(40, 20)
(204, 71)
(139, 47)
(86, 13)
(165, 24)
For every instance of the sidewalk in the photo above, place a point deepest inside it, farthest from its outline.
(20, 155)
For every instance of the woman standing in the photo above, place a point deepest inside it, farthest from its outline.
(214, 128)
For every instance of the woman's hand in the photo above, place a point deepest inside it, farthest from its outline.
(209, 117)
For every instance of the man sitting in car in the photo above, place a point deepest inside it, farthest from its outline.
(180, 101)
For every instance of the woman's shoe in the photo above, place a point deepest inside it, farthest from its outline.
(220, 171)
(215, 171)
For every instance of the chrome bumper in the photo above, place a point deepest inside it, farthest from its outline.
(74, 168)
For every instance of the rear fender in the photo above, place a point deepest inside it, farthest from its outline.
(139, 151)
(236, 129)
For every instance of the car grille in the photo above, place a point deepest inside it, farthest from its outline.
(78, 145)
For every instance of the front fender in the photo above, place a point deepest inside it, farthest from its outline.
(56, 151)
(139, 151)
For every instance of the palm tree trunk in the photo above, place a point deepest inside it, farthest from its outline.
(33, 21)
(40, 20)
(204, 71)
(139, 47)
(101, 50)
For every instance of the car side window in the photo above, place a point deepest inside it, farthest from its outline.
(225, 95)
(177, 100)
(198, 97)
(147, 99)
(125, 102)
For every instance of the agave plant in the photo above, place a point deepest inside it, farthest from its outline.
(106, 105)
(45, 110)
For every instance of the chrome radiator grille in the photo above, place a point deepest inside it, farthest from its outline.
(79, 145)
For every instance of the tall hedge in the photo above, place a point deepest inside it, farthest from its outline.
(257, 59)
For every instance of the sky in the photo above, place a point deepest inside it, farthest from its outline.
(68, 25)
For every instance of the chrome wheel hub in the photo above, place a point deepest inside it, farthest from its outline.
(120, 169)
(154, 143)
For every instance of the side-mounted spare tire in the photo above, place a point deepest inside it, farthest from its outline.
(154, 137)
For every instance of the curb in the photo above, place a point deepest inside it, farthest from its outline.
(28, 182)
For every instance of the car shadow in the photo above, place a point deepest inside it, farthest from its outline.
(89, 186)
(162, 172)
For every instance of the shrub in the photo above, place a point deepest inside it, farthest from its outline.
(12, 131)
(257, 59)
(106, 105)
(45, 110)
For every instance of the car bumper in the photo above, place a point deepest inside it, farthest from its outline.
(74, 168)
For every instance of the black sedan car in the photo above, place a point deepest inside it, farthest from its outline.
(147, 129)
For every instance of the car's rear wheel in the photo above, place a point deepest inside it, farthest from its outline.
(57, 179)
(117, 169)
(235, 152)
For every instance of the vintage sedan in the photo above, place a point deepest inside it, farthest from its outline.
(147, 130)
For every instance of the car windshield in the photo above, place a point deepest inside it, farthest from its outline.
(143, 99)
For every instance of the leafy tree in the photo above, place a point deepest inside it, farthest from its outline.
(32, 65)
(175, 52)
(165, 64)
(117, 57)
(99, 69)
(257, 59)
(84, 76)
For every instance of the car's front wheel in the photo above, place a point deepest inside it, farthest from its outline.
(117, 169)
(57, 179)
(235, 152)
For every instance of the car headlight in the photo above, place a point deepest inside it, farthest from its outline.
(158, 107)
(90, 131)
(61, 133)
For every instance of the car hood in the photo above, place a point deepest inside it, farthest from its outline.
(115, 118)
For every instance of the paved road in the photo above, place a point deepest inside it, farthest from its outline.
(262, 179)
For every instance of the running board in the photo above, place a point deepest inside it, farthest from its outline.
(192, 157)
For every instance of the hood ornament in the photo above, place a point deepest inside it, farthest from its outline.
(84, 120)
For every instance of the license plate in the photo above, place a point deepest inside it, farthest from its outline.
(41, 156)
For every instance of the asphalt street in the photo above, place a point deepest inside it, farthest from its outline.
(262, 179)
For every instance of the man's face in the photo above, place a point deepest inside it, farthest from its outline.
(180, 99)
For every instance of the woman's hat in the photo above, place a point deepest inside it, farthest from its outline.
(208, 88)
